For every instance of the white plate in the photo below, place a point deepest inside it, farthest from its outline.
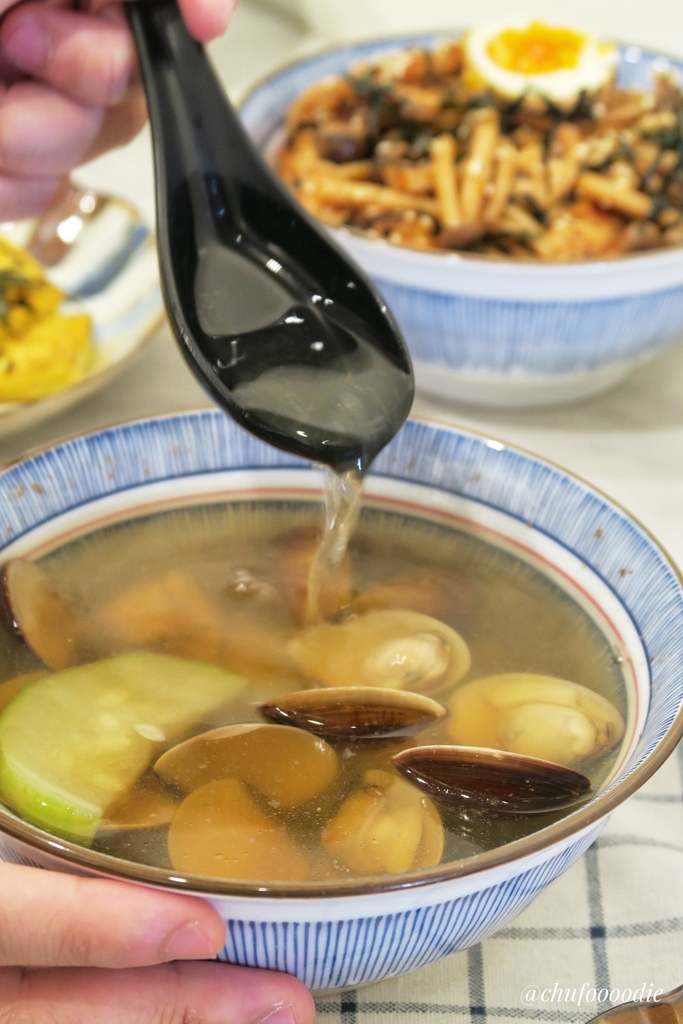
(97, 249)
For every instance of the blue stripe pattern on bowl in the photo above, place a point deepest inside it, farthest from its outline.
(458, 331)
(343, 954)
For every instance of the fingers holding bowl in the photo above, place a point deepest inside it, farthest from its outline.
(58, 920)
(170, 993)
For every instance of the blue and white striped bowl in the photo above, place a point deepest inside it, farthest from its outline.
(503, 333)
(347, 934)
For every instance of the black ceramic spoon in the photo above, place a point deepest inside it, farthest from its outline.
(284, 332)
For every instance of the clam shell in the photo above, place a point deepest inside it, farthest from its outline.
(385, 827)
(286, 765)
(348, 712)
(394, 648)
(37, 613)
(481, 779)
(534, 715)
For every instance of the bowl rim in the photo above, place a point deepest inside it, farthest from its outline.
(514, 854)
(662, 255)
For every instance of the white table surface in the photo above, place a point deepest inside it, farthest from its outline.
(629, 443)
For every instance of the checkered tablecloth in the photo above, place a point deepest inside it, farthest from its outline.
(611, 925)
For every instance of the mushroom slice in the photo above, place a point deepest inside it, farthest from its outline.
(287, 765)
(355, 712)
(220, 832)
(173, 614)
(477, 779)
(385, 828)
(38, 613)
(429, 593)
(296, 552)
(392, 649)
(147, 804)
(541, 716)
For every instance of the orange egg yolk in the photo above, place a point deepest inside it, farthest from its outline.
(536, 49)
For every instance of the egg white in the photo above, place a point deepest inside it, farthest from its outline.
(596, 66)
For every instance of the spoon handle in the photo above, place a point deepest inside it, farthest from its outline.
(209, 174)
(190, 114)
(200, 149)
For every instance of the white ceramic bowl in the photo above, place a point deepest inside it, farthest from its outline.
(103, 257)
(346, 934)
(497, 333)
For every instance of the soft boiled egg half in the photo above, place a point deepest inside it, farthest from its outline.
(529, 59)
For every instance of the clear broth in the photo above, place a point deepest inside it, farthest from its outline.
(513, 618)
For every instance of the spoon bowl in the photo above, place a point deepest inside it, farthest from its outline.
(283, 331)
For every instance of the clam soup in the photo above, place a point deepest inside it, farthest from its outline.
(187, 709)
